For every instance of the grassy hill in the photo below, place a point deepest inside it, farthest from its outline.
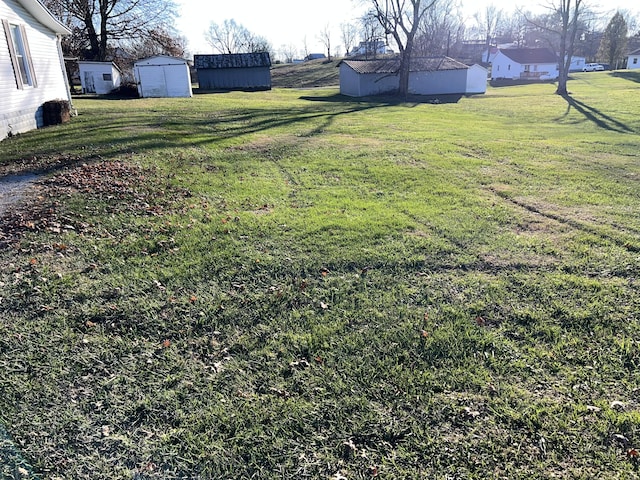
(291, 284)
(312, 74)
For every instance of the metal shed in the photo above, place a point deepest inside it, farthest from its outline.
(428, 76)
(163, 76)
(99, 77)
(238, 71)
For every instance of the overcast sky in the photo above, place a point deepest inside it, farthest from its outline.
(289, 22)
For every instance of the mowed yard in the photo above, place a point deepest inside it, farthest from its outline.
(295, 284)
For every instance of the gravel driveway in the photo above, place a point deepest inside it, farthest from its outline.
(12, 189)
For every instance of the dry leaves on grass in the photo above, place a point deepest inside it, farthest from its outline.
(113, 186)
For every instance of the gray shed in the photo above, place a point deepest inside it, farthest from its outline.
(428, 76)
(237, 71)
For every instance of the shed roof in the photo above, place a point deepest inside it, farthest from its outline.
(530, 55)
(392, 65)
(44, 16)
(233, 60)
(161, 60)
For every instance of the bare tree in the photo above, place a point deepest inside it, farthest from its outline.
(401, 19)
(232, 37)
(488, 22)
(441, 27)
(325, 38)
(104, 24)
(371, 33)
(349, 33)
(288, 52)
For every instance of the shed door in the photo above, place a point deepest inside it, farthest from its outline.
(152, 81)
(89, 83)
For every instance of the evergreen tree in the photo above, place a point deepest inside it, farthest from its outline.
(614, 41)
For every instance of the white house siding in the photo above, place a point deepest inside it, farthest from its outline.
(633, 61)
(163, 76)
(21, 110)
(504, 67)
(92, 77)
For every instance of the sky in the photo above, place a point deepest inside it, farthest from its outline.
(291, 22)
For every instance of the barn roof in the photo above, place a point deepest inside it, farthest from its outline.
(392, 65)
(233, 60)
(530, 55)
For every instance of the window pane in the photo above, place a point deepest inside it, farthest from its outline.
(21, 56)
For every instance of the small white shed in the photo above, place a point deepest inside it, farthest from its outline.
(163, 76)
(99, 77)
(477, 77)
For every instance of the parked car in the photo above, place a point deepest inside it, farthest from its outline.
(593, 67)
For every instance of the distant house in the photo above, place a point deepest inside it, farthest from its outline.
(238, 71)
(99, 77)
(315, 56)
(369, 49)
(31, 65)
(525, 64)
(162, 76)
(428, 76)
(633, 60)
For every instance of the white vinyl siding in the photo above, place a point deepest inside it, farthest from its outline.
(20, 104)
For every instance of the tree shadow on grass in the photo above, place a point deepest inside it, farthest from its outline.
(387, 100)
(594, 115)
(627, 75)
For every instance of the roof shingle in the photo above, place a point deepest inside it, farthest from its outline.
(392, 65)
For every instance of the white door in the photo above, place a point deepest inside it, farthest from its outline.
(89, 83)
(152, 82)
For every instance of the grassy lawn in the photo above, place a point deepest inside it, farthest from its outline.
(295, 284)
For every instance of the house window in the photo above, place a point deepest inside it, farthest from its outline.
(509, 67)
(20, 55)
(527, 68)
(635, 60)
(106, 77)
(535, 68)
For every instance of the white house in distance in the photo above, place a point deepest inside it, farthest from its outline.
(163, 76)
(526, 64)
(99, 77)
(428, 76)
(633, 60)
(31, 65)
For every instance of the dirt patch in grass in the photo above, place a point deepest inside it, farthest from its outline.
(113, 187)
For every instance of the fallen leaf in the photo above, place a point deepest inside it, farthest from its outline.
(106, 431)
(424, 334)
(323, 305)
(193, 298)
(166, 343)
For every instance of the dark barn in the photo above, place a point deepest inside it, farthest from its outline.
(237, 71)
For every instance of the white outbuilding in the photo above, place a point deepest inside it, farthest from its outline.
(99, 77)
(163, 76)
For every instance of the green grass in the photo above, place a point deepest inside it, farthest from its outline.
(295, 284)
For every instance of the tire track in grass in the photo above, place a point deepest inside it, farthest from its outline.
(630, 244)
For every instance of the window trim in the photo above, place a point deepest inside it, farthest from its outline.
(26, 54)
